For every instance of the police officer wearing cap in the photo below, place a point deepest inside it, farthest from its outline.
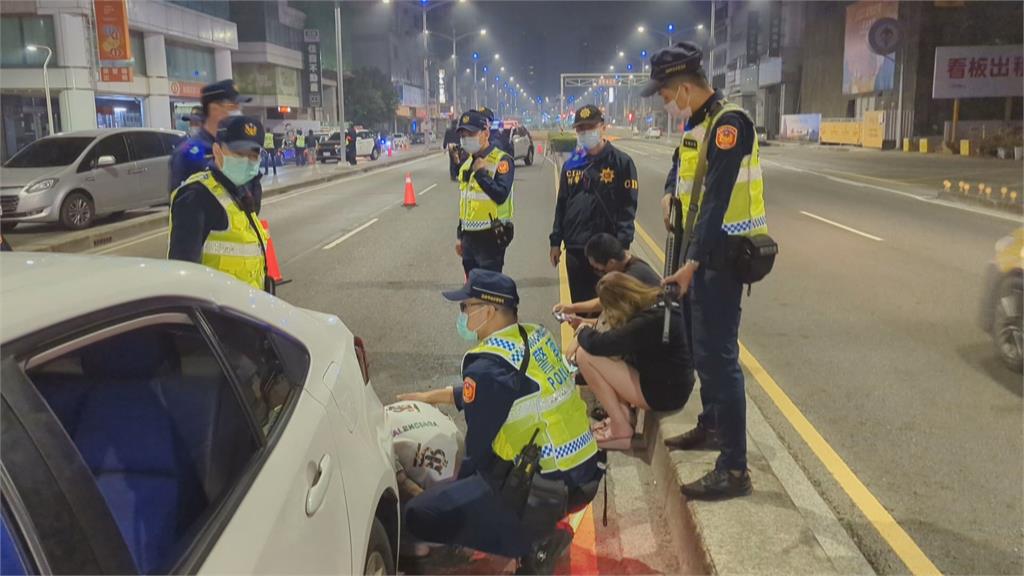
(219, 101)
(485, 203)
(514, 383)
(731, 204)
(498, 136)
(597, 193)
(213, 217)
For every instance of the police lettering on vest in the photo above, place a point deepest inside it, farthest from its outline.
(745, 215)
(476, 208)
(238, 249)
(556, 408)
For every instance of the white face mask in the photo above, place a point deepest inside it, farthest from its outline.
(235, 113)
(673, 109)
(471, 144)
(589, 139)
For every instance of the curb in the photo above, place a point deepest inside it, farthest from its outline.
(92, 239)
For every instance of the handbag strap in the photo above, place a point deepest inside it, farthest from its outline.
(698, 183)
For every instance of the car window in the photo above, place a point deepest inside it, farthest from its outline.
(145, 145)
(170, 141)
(158, 423)
(49, 152)
(269, 366)
(14, 558)
(109, 146)
(363, 134)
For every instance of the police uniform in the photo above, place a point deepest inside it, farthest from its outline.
(213, 222)
(732, 204)
(498, 137)
(504, 405)
(486, 197)
(596, 194)
(270, 153)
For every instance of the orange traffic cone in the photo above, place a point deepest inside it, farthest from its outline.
(273, 270)
(389, 151)
(540, 148)
(410, 194)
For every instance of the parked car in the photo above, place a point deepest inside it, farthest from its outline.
(334, 147)
(418, 138)
(762, 135)
(653, 132)
(522, 145)
(74, 178)
(162, 417)
(1001, 309)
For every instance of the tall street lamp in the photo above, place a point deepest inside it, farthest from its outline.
(46, 81)
(455, 62)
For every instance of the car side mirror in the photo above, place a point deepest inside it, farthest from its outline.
(106, 160)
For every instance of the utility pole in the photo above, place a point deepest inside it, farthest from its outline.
(341, 73)
(426, 66)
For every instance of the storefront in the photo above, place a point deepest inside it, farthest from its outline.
(119, 112)
(23, 120)
(184, 96)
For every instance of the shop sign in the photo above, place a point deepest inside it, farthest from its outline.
(113, 40)
(186, 89)
(313, 78)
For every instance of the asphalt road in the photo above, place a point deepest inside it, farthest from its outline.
(876, 341)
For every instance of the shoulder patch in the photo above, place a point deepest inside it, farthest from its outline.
(725, 137)
(468, 391)
(503, 166)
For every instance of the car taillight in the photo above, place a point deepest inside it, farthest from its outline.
(364, 364)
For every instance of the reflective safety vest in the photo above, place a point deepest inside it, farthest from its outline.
(745, 215)
(236, 250)
(268, 140)
(556, 409)
(475, 207)
(300, 141)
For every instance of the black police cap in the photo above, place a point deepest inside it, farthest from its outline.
(240, 134)
(223, 90)
(487, 112)
(682, 58)
(588, 114)
(473, 121)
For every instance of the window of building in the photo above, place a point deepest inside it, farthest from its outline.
(218, 9)
(17, 32)
(190, 63)
(138, 42)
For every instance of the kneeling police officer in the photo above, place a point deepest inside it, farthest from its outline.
(520, 400)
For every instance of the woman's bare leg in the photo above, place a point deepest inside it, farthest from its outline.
(616, 385)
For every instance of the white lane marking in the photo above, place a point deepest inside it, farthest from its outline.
(844, 227)
(351, 234)
(127, 243)
(428, 189)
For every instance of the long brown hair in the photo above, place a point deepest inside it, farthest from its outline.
(622, 296)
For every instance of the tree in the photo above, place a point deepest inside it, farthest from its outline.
(370, 98)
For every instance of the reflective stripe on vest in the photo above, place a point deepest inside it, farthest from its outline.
(745, 215)
(236, 249)
(556, 409)
(475, 207)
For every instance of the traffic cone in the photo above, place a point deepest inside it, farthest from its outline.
(540, 148)
(410, 194)
(273, 270)
(389, 151)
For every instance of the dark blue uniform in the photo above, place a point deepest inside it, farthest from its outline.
(195, 154)
(480, 248)
(195, 213)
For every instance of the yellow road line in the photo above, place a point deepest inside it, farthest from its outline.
(563, 280)
(894, 534)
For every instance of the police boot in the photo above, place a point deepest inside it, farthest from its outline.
(545, 554)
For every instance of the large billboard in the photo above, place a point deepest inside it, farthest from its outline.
(863, 70)
(978, 71)
(113, 40)
(802, 127)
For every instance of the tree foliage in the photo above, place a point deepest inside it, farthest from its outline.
(370, 98)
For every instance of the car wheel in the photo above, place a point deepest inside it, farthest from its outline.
(379, 559)
(77, 211)
(7, 226)
(1006, 325)
(375, 153)
(529, 157)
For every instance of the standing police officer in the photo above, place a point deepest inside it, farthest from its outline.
(485, 203)
(732, 204)
(213, 216)
(597, 194)
(498, 137)
(516, 388)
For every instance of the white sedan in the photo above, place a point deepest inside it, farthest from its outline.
(162, 417)
(653, 132)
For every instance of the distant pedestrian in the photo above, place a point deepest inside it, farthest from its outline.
(310, 147)
(269, 153)
(451, 144)
(300, 148)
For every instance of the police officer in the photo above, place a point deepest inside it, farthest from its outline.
(485, 203)
(498, 136)
(213, 216)
(300, 148)
(270, 156)
(597, 193)
(451, 145)
(732, 204)
(514, 383)
(350, 145)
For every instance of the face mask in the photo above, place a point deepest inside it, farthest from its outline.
(589, 139)
(240, 170)
(462, 326)
(674, 110)
(235, 113)
(193, 131)
(471, 144)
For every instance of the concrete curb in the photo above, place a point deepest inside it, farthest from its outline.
(91, 239)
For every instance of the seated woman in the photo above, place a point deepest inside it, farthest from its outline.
(651, 375)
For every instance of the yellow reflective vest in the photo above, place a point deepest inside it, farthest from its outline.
(745, 215)
(555, 409)
(238, 249)
(300, 141)
(268, 140)
(475, 207)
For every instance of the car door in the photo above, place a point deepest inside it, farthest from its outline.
(364, 143)
(150, 156)
(520, 143)
(111, 187)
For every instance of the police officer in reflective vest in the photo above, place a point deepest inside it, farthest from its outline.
(485, 202)
(731, 205)
(213, 217)
(270, 153)
(514, 384)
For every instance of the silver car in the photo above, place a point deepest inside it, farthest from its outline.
(75, 177)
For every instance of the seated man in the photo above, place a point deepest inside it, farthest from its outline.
(605, 254)
(516, 390)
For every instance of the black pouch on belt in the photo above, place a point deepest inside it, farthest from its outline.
(503, 232)
(752, 257)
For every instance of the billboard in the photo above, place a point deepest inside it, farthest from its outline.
(863, 70)
(801, 127)
(873, 129)
(840, 131)
(311, 77)
(978, 71)
(113, 41)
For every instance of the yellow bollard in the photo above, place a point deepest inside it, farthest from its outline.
(988, 192)
(946, 185)
(1013, 196)
(923, 145)
(981, 188)
(963, 187)
(1002, 192)
(967, 188)
(906, 144)
(965, 147)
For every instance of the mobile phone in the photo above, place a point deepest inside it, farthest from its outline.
(560, 316)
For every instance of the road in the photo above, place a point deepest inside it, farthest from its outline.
(867, 323)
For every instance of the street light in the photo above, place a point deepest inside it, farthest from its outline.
(46, 81)
(455, 61)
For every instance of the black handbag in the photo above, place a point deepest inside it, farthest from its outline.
(504, 232)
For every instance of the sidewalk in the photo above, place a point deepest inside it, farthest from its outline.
(291, 177)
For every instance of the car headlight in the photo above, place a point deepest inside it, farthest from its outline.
(41, 186)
